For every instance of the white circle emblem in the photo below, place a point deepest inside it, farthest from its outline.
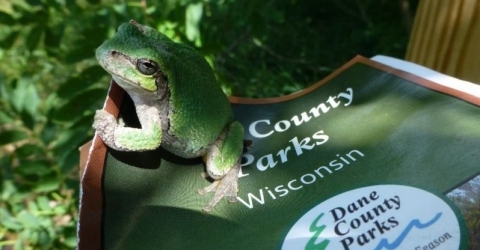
(377, 217)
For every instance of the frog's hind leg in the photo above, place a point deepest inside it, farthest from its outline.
(223, 165)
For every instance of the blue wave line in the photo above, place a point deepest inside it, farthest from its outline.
(414, 223)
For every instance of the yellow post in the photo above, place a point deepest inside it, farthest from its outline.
(446, 37)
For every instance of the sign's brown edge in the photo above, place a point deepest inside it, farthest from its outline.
(92, 161)
(91, 200)
(360, 59)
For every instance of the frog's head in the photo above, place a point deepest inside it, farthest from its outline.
(137, 56)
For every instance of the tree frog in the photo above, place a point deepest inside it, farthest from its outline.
(178, 102)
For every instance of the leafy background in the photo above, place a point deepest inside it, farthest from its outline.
(467, 198)
(50, 83)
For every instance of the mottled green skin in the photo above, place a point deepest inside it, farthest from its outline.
(185, 111)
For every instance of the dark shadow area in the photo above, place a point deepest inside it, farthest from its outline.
(158, 227)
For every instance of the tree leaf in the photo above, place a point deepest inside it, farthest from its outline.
(80, 83)
(4, 118)
(52, 39)
(68, 141)
(6, 19)
(43, 203)
(11, 136)
(34, 36)
(34, 168)
(28, 220)
(71, 159)
(24, 96)
(86, 42)
(70, 242)
(49, 131)
(75, 107)
(8, 41)
(28, 119)
(193, 15)
(94, 1)
(47, 185)
(27, 150)
(8, 221)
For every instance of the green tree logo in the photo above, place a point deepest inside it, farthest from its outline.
(317, 230)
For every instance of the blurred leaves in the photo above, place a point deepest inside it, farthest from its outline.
(50, 83)
(11, 136)
(467, 198)
(193, 16)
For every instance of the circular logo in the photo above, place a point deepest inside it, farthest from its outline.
(377, 217)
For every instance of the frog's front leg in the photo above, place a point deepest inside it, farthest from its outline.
(123, 138)
(223, 165)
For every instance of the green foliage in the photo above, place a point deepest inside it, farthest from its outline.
(467, 198)
(50, 84)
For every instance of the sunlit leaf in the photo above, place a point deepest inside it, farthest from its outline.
(193, 15)
(19, 245)
(59, 210)
(25, 96)
(28, 220)
(9, 221)
(8, 189)
(32, 207)
(47, 185)
(42, 203)
(70, 242)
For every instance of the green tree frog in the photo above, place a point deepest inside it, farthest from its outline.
(178, 102)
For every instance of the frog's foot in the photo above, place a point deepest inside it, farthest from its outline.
(105, 125)
(225, 187)
(104, 120)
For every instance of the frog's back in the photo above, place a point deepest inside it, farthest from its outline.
(200, 109)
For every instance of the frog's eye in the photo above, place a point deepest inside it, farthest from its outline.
(146, 66)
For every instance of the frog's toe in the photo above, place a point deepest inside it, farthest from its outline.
(210, 188)
(225, 187)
